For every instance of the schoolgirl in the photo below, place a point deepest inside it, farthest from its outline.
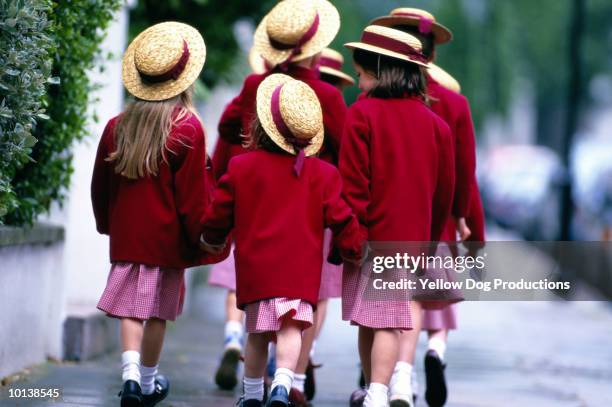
(290, 39)
(454, 109)
(397, 166)
(149, 190)
(276, 201)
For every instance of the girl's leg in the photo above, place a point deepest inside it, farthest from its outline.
(288, 346)
(401, 382)
(234, 331)
(256, 356)
(365, 343)
(383, 357)
(436, 390)
(226, 375)
(152, 343)
(308, 338)
(131, 339)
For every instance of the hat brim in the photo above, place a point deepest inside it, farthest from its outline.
(444, 78)
(167, 89)
(383, 51)
(329, 25)
(346, 79)
(264, 113)
(441, 34)
(256, 62)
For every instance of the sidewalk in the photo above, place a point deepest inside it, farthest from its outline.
(504, 354)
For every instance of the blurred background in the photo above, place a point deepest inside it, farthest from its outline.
(538, 75)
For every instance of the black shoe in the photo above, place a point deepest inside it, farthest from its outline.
(249, 403)
(358, 397)
(310, 384)
(131, 395)
(227, 373)
(162, 388)
(278, 397)
(435, 383)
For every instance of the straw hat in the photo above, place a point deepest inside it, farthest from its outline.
(257, 63)
(295, 30)
(392, 43)
(163, 61)
(444, 78)
(425, 21)
(299, 109)
(331, 64)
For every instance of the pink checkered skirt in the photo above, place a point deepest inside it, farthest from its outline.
(379, 309)
(268, 315)
(331, 275)
(436, 319)
(223, 274)
(143, 292)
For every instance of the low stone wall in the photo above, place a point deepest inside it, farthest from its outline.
(31, 296)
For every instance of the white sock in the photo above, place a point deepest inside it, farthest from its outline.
(312, 350)
(253, 388)
(130, 364)
(438, 345)
(401, 381)
(298, 381)
(234, 333)
(282, 377)
(377, 396)
(147, 378)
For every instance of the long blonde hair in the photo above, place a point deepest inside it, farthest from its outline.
(142, 131)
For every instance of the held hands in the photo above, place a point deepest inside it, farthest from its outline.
(463, 230)
(214, 249)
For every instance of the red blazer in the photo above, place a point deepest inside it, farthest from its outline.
(277, 221)
(155, 220)
(397, 165)
(454, 109)
(238, 115)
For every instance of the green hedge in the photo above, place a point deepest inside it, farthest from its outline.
(77, 30)
(25, 67)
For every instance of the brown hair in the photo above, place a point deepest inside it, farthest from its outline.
(142, 132)
(395, 78)
(259, 139)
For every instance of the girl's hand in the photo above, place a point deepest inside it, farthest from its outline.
(463, 229)
(211, 248)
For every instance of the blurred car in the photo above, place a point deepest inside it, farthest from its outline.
(521, 187)
(592, 188)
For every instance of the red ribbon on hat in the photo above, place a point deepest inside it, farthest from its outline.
(172, 73)
(297, 48)
(283, 129)
(392, 44)
(330, 63)
(425, 23)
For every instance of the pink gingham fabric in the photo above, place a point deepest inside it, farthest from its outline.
(379, 309)
(331, 275)
(268, 315)
(223, 274)
(143, 292)
(436, 319)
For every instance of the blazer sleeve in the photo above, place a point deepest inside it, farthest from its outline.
(465, 160)
(445, 184)
(101, 182)
(341, 220)
(191, 189)
(334, 115)
(354, 166)
(218, 219)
